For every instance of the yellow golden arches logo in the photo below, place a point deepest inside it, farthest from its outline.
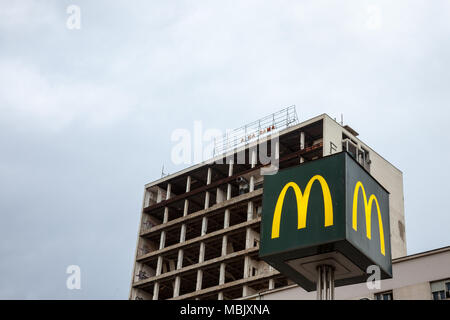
(368, 212)
(302, 204)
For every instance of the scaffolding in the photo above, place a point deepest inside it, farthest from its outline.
(255, 130)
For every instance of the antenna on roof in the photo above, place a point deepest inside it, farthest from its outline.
(342, 119)
(162, 172)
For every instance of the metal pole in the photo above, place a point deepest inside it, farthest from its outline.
(325, 282)
(332, 284)
(328, 283)
(319, 283)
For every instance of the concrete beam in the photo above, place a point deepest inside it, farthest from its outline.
(223, 259)
(228, 285)
(212, 209)
(176, 246)
(227, 179)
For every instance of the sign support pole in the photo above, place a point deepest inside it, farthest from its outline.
(325, 282)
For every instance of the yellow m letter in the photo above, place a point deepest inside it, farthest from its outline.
(302, 204)
(368, 211)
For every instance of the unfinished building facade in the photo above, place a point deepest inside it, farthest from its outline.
(199, 230)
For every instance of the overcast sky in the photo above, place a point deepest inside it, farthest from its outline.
(86, 115)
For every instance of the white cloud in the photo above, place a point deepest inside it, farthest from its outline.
(29, 95)
(27, 15)
(163, 64)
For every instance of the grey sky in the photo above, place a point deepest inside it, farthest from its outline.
(86, 115)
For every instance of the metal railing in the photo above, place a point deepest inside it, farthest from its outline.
(253, 131)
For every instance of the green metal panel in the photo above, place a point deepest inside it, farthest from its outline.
(341, 174)
(371, 248)
(333, 171)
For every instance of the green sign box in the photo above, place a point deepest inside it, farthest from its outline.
(327, 211)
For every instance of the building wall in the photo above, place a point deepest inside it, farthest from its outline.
(418, 291)
(332, 136)
(411, 280)
(385, 173)
(392, 179)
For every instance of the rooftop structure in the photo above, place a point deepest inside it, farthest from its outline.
(199, 230)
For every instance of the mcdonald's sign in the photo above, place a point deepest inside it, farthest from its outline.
(332, 210)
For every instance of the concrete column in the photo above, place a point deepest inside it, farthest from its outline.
(302, 145)
(220, 195)
(186, 208)
(158, 195)
(230, 173)
(253, 157)
(176, 287)
(168, 191)
(222, 273)
(188, 184)
(228, 191)
(245, 288)
(180, 259)
(201, 254)
(166, 209)
(248, 245)
(183, 233)
(198, 285)
(162, 244)
(302, 140)
(185, 212)
(251, 186)
(277, 152)
(250, 211)
(245, 291)
(271, 284)
(226, 218)
(162, 240)
(204, 226)
(226, 224)
(201, 258)
(207, 195)
(147, 197)
(155, 291)
(159, 265)
(221, 278)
